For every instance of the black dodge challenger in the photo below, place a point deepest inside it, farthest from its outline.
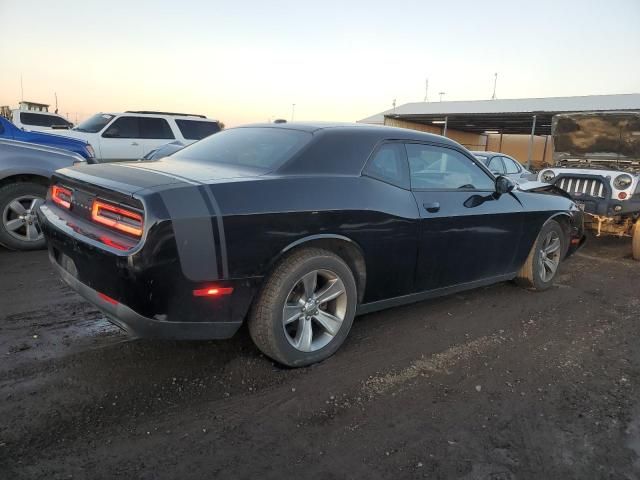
(296, 228)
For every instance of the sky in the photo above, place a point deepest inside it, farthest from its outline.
(250, 61)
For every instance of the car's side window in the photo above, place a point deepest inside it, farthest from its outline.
(389, 164)
(123, 127)
(495, 165)
(438, 168)
(512, 167)
(155, 128)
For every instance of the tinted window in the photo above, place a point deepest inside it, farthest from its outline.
(154, 128)
(434, 167)
(512, 167)
(123, 127)
(496, 166)
(196, 130)
(95, 123)
(263, 148)
(389, 164)
(39, 120)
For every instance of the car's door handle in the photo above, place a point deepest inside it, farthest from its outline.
(432, 207)
(135, 144)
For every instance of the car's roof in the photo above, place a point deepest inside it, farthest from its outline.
(383, 132)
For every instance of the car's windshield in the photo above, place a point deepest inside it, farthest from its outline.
(262, 148)
(95, 123)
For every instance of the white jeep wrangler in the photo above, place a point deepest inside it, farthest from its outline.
(597, 158)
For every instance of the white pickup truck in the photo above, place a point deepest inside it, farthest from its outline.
(132, 134)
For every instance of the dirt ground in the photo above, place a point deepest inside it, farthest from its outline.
(496, 383)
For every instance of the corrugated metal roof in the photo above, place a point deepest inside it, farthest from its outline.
(587, 103)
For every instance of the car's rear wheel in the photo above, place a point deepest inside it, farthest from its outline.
(305, 309)
(543, 262)
(635, 240)
(19, 229)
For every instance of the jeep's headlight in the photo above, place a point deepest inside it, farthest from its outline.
(547, 176)
(622, 182)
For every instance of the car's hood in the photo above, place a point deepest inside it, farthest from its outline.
(49, 138)
(74, 134)
(584, 171)
(541, 187)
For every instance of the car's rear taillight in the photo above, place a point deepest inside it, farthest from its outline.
(117, 217)
(61, 196)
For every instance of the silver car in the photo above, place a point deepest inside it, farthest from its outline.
(501, 164)
(25, 170)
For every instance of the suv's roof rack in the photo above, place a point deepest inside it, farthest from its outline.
(150, 112)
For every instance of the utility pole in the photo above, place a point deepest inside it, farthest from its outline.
(293, 111)
(441, 95)
(495, 82)
(394, 105)
(56, 95)
(426, 90)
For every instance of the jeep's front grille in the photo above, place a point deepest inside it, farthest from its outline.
(580, 186)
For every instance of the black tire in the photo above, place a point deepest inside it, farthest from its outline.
(266, 324)
(531, 275)
(635, 240)
(8, 194)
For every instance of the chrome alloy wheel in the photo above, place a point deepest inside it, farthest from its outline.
(19, 218)
(550, 256)
(314, 310)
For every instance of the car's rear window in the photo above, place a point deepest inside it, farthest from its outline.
(262, 148)
(196, 129)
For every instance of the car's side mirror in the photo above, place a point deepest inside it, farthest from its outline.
(504, 185)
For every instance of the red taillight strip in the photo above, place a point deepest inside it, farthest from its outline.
(117, 223)
(212, 291)
(107, 298)
(61, 196)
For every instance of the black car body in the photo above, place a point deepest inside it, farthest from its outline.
(209, 224)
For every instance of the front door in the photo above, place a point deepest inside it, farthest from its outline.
(121, 140)
(467, 231)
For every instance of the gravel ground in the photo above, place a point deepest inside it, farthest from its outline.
(496, 383)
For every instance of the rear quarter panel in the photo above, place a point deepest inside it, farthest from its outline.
(262, 218)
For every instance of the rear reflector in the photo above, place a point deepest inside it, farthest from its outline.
(118, 218)
(61, 196)
(212, 291)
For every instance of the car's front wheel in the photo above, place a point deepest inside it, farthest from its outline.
(543, 262)
(305, 309)
(19, 229)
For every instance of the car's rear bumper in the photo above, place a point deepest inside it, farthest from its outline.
(140, 326)
(143, 290)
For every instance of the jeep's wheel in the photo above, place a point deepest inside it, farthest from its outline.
(305, 309)
(543, 262)
(635, 240)
(19, 229)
